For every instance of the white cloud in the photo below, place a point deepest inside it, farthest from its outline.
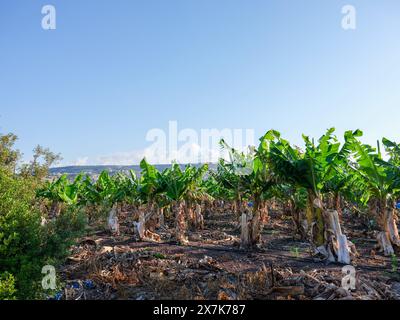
(81, 161)
(192, 153)
(186, 153)
(120, 158)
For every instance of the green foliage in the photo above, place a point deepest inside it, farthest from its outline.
(182, 185)
(43, 159)
(8, 156)
(159, 256)
(148, 187)
(295, 251)
(25, 245)
(246, 175)
(276, 169)
(394, 262)
(7, 286)
(319, 168)
(59, 234)
(378, 178)
(297, 196)
(20, 236)
(62, 190)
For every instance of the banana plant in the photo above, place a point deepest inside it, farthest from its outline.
(61, 191)
(393, 150)
(180, 188)
(214, 189)
(151, 200)
(249, 178)
(149, 183)
(229, 181)
(381, 182)
(195, 194)
(313, 169)
(108, 193)
(216, 194)
(126, 188)
(294, 199)
(102, 191)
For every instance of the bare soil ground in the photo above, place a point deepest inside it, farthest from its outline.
(212, 266)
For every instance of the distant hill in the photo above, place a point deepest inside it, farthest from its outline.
(94, 171)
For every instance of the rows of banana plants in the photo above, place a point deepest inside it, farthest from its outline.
(150, 193)
(315, 184)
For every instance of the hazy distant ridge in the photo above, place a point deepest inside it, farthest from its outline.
(96, 170)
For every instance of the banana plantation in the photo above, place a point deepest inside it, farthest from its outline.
(279, 221)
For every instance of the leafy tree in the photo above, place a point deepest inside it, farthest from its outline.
(8, 155)
(43, 159)
(25, 245)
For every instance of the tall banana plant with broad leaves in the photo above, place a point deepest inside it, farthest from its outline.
(99, 192)
(216, 194)
(195, 194)
(249, 178)
(61, 191)
(182, 187)
(313, 169)
(381, 182)
(151, 200)
(393, 150)
(174, 187)
(107, 192)
(149, 184)
(230, 181)
(126, 188)
(294, 201)
(213, 189)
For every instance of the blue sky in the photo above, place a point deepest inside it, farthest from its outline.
(113, 70)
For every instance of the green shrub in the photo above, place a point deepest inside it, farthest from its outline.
(61, 233)
(25, 245)
(20, 233)
(159, 256)
(7, 287)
